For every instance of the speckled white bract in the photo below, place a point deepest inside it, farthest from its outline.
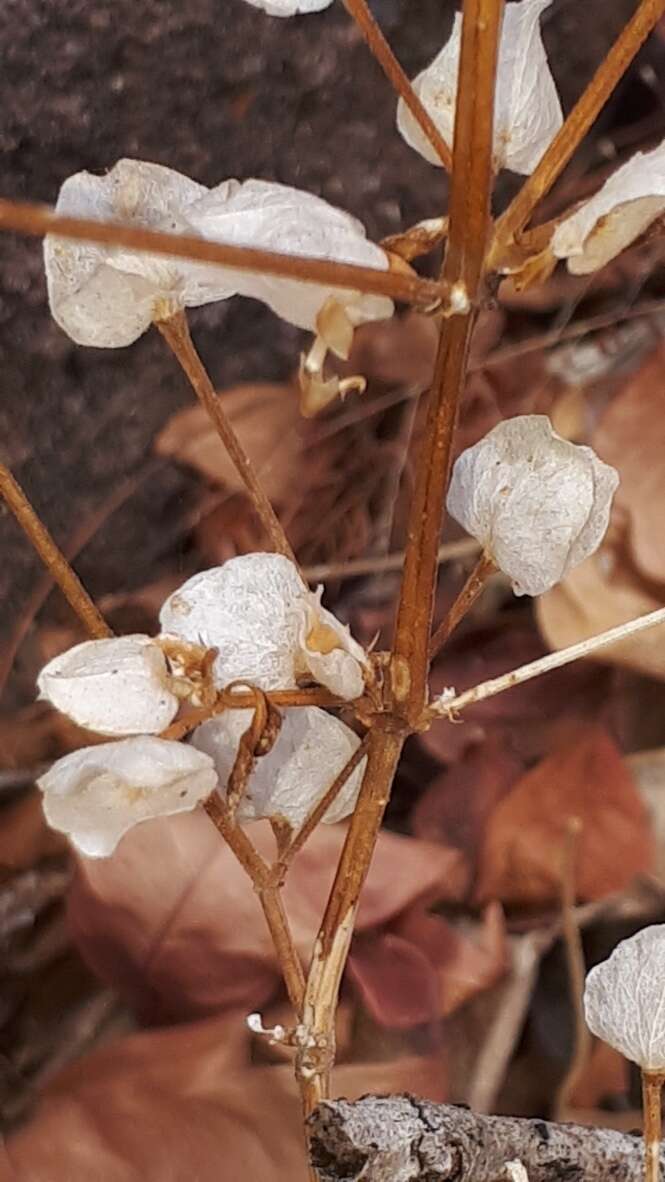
(626, 205)
(624, 998)
(118, 686)
(270, 216)
(527, 111)
(97, 794)
(267, 626)
(311, 749)
(289, 7)
(538, 504)
(106, 296)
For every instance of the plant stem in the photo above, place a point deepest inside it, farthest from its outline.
(564, 656)
(37, 220)
(375, 564)
(572, 940)
(52, 557)
(380, 49)
(652, 1083)
(176, 333)
(580, 119)
(331, 949)
(463, 269)
(244, 700)
(484, 567)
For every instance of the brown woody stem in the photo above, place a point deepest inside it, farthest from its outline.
(463, 269)
(484, 567)
(52, 557)
(37, 220)
(245, 700)
(580, 119)
(380, 49)
(652, 1084)
(176, 333)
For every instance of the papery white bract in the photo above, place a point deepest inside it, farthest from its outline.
(118, 686)
(626, 205)
(538, 504)
(311, 749)
(527, 111)
(289, 7)
(97, 794)
(267, 626)
(105, 296)
(623, 998)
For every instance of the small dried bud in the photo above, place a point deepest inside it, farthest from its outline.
(289, 7)
(267, 626)
(626, 205)
(538, 504)
(97, 794)
(527, 111)
(311, 749)
(118, 686)
(623, 998)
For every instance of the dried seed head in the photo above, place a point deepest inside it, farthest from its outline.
(289, 7)
(626, 205)
(623, 998)
(527, 111)
(267, 626)
(311, 749)
(97, 794)
(538, 504)
(118, 686)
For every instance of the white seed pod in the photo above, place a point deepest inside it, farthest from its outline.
(267, 625)
(623, 998)
(527, 111)
(97, 794)
(289, 7)
(118, 686)
(538, 504)
(626, 205)
(106, 296)
(270, 216)
(311, 749)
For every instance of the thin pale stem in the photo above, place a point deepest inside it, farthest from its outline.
(334, 938)
(52, 557)
(37, 220)
(580, 119)
(481, 572)
(564, 656)
(572, 940)
(176, 333)
(241, 700)
(463, 269)
(375, 564)
(652, 1084)
(380, 49)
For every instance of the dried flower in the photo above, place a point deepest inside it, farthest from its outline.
(626, 205)
(623, 998)
(97, 794)
(267, 626)
(289, 7)
(311, 749)
(527, 111)
(538, 504)
(118, 686)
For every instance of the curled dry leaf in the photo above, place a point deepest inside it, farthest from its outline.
(174, 1105)
(520, 859)
(171, 921)
(268, 424)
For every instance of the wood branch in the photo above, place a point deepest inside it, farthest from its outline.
(403, 1139)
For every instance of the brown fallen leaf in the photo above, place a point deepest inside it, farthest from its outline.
(520, 859)
(172, 921)
(597, 595)
(605, 1074)
(395, 980)
(268, 424)
(25, 838)
(182, 1104)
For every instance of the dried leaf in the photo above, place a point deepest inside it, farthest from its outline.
(172, 922)
(396, 981)
(268, 424)
(520, 861)
(25, 838)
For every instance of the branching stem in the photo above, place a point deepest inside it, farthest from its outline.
(481, 572)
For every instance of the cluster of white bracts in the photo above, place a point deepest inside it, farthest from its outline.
(269, 629)
(623, 998)
(538, 504)
(108, 296)
(527, 111)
